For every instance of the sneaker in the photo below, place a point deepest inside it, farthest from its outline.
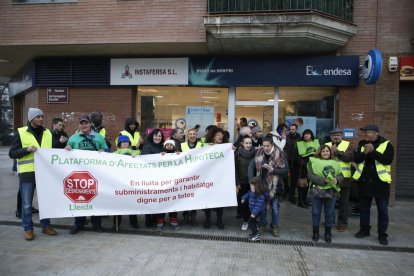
(383, 240)
(49, 231)
(341, 228)
(75, 229)
(254, 237)
(245, 226)
(362, 234)
(98, 229)
(28, 235)
(220, 225)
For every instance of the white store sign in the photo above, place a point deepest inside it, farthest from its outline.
(149, 71)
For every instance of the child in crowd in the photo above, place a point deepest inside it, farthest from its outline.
(169, 147)
(124, 147)
(256, 200)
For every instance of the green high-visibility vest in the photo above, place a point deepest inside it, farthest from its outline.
(185, 147)
(307, 148)
(327, 169)
(383, 171)
(26, 163)
(345, 166)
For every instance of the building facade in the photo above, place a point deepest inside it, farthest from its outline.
(260, 59)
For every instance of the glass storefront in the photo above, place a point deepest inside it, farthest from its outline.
(168, 107)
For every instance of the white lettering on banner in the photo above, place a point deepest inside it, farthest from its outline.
(316, 70)
(145, 184)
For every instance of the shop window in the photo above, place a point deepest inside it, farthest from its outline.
(168, 107)
(314, 105)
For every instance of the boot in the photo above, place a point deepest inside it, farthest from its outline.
(328, 235)
(315, 235)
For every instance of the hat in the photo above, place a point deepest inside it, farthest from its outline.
(169, 141)
(336, 130)
(371, 128)
(83, 118)
(33, 113)
(122, 139)
(256, 128)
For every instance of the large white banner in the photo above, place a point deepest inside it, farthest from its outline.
(84, 183)
(149, 71)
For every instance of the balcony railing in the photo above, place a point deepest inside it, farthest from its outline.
(338, 8)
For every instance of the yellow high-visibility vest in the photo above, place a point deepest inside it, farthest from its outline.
(185, 147)
(345, 166)
(134, 140)
(26, 163)
(103, 132)
(383, 171)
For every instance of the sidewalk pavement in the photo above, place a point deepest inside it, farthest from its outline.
(197, 251)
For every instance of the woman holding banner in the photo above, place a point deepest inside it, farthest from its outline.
(215, 136)
(152, 145)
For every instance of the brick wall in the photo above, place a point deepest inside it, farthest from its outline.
(115, 103)
(387, 25)
(103, 21)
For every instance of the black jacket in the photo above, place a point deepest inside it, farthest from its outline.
(17, 151)
(151, 148)
(369, 183)
(56, 134)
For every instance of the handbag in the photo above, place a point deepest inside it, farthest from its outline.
(321, 193)
(302, 182)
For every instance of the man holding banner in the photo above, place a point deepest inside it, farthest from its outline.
(26, 141)
(86, 139)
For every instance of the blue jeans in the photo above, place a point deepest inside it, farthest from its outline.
(275, 205)
(365, 209)
(329, 210)
(27, 191)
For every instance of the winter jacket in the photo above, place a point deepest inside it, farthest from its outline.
(369, 183)
(257, 203)
(151, 148)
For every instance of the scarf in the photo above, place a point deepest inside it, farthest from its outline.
(276, 160)
(246, 154)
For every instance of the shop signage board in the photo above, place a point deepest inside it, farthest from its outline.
(57, 95)
(293, 71)
(149, 71)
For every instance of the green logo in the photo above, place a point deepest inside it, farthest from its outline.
(328, 170)
(310, 150)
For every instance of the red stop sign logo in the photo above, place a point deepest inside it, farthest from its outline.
(80, 187)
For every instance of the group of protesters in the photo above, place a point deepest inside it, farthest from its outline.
(268, 169)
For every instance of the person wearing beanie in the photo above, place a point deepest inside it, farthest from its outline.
(124, 147)
(131, 130)
(26, 141)
(257, 136)
(86, 139)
